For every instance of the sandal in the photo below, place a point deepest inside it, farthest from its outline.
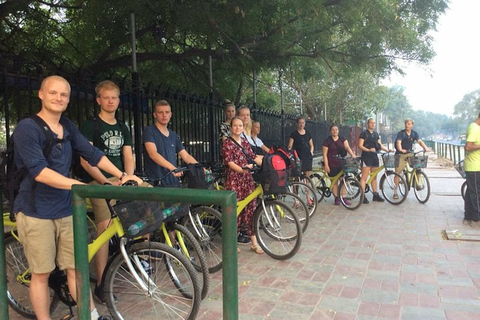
(255, 247)
(238, 250)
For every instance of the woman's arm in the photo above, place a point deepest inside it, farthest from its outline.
(325, 158)
(290, 143)
(346, 145)
(310, 142)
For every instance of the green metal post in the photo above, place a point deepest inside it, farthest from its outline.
(230, 266)
(80, 236)
(454, 155)
(226, 199)
(3, 270)
(459, 154)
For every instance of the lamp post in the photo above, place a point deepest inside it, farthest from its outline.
(136, 99)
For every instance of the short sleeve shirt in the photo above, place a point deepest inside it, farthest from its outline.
(29, 141)
(406, 139)
(110, 139)
(167, 147)
(472, 158)
(333, 148)
(370, 141)
(301, 143)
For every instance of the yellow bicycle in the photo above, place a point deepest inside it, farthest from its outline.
(416, 178)
(350, 189)
(160, 281)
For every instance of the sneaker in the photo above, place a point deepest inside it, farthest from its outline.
(337, 201)
(99, 295)
(365, 201)
(243, 239)
(347, 203)
(377, 198)
(104, 318)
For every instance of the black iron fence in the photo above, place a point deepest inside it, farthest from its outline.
(195, 118)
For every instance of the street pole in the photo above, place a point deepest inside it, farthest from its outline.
(137, 126)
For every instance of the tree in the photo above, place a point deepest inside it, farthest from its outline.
(176, 39)
(468, 109)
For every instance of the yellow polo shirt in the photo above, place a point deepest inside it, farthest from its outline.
(472, 158)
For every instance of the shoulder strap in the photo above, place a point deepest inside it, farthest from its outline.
(49, 139)
(241, 148)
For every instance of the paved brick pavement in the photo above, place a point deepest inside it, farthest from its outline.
(378, 262)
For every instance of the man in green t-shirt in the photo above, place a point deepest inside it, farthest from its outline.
(113, 138)
(472, 170)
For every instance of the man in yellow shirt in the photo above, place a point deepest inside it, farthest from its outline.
(472, 170)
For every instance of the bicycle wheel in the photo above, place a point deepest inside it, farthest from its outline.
(319, 184)
(171, 294)
(421, 187)
(298, 206)
(351, 193)
(205, 224)
(18, 279)
(306, 193)
(278, 234)
(463, 190)
(195, 255)
(395, 192)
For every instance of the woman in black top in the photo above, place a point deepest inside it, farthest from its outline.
(301, 141)
(333, 147)
(369, 142)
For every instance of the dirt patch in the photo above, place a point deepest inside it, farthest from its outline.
(442, 162)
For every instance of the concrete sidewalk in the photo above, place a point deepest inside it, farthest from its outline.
(378, 262)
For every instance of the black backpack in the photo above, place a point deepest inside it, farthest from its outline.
(11, 176)
(196, 177)
(273, 174)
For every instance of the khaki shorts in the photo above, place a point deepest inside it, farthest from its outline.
(401, 162)
(47, 242)
(99, 206)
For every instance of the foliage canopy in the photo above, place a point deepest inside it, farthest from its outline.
(327, 46)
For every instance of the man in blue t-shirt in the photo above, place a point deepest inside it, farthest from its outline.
(43, 206)
(162, 147)
(404, 143)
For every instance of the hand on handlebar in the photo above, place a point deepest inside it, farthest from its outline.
(131, 177)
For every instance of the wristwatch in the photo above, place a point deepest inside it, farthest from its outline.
(124, 174)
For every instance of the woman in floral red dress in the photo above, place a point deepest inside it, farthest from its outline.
(237, 154)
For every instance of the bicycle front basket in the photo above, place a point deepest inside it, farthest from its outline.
(350, 165)
(390, 160)
(139, 217)
(419, 161)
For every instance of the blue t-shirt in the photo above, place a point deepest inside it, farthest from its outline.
(407, 140)
(29, 142)
(167, 147)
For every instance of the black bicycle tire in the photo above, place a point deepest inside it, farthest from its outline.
(361, 194)
(14, 302)
(202, 267)
(304, 218)
(312, 192)
(419, 174)
(402, 195)
(212, 249)
(320, 185)
(463, 189)
(258, 225)
(150, 249)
